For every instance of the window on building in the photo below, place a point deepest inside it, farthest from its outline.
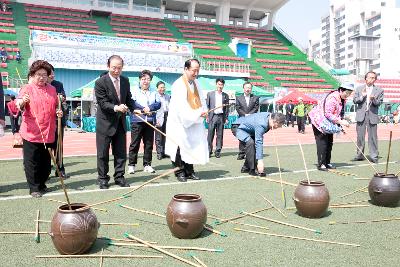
(239, 23)
(231, 22)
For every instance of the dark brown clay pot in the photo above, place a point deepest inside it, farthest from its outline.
(384, 190)
(72, 231)
(311, 200)
(186, 215)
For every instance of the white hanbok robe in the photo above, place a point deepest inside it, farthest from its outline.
(185, 126)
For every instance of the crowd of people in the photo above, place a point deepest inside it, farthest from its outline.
(175, 123)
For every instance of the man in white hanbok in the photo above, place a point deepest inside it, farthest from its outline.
(187, 138)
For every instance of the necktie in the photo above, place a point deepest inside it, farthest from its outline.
(117, 89)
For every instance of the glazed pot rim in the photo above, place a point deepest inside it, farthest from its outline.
(186, 197)
(312, 183)
(75, 206)
(383, 175)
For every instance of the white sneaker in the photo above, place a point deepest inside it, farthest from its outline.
(149, 169)
(131, 169)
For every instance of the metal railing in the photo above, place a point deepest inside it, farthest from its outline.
(290, 38)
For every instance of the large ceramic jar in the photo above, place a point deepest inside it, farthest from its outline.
(384, 190)
(74, 231)
(311, 199)
(186, 215)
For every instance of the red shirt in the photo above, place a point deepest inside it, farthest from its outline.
(39, 115)
(12, 108)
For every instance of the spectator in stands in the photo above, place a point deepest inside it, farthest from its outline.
(4, 7)
(64, 106)
(368, 98)
(300, 112)
(161, 120)
(2, 113)
(187, 144)
(246, 104)
(3, 55)
(38, 103)
(146, 102)
(289, 113)
(14, 114)
(217, 102)
(329, 111)
(18, 57)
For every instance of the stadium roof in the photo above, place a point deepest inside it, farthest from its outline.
(258, 7)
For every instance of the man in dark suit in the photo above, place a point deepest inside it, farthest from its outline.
(217, 102)
(246, 104)
(367, 98)
(114, 100)
(58, 153)
(289, 113)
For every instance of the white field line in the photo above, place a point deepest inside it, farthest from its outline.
(169, 184)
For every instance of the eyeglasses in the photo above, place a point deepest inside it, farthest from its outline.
(41, 75)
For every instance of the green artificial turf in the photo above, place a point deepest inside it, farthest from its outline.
(225, 192)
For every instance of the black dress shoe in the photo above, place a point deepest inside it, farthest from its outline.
(193, 176)
(240, 157)
(104, 185)
(210, 154)
(374, 160)
(358, 158)
(121, 182)
(262, 174)
(217, 154)
(253, 173)
(244, 169)
(181, 177)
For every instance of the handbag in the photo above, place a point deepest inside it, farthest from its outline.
(17, 141)
(327, 126)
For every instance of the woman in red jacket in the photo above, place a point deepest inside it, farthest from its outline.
(38, 103)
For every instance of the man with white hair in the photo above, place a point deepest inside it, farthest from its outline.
(300, 112)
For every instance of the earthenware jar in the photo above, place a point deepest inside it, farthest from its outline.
(384, 190)
(186, 215)
(74, 231)
(311, 199)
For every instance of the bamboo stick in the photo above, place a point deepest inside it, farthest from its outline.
(97, 256)
(61, 178)
(161, 250)
(20, 232)
(277, 209)
(102, 202)
(355, 191)
(124, 240)
(242, 216)
(349, 206)
(142, 211)
(304, 161)
(298, 238)
(37, 235)
(58, 201)
(199, 261)
(167, 247)
(370, 164)
(284, 223)
(101, 258)
(119, 224)
(151, 180)
(370, 221)
(283, 195)
(212, 230)
(274, 181)
(351, 202)
(239, 223)
(388, 156)
(221, 106)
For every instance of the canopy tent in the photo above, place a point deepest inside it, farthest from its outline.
(134, 81)
(294, 96)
